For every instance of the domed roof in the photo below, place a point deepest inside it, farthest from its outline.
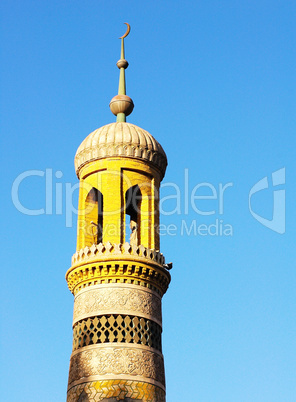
(120, 139)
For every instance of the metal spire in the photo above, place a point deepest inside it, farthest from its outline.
(122, 105)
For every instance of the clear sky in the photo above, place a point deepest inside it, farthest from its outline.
(214, 82)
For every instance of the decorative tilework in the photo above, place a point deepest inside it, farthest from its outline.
(116, 389)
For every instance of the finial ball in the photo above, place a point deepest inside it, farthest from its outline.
(121, 104)
(122, 63)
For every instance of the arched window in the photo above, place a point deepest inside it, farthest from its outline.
(133, 199)
(93, 231)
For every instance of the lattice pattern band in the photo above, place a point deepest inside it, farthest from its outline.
(117, 362)
(117, 298)
(117, 328)
(97, 391)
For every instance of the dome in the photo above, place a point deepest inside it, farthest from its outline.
(120, 139)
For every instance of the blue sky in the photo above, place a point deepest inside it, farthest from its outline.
(214, 82)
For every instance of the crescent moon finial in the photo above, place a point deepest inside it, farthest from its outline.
(127, 31)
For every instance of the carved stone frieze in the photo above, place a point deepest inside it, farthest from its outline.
(128, 299)
(136, 362)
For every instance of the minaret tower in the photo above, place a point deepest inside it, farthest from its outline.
(118, 275)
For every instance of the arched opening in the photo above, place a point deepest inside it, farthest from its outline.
(133, 199)
(93, 217)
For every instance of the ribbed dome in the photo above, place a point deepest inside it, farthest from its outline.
(120, 139)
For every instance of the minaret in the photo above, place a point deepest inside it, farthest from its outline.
(118, 275)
